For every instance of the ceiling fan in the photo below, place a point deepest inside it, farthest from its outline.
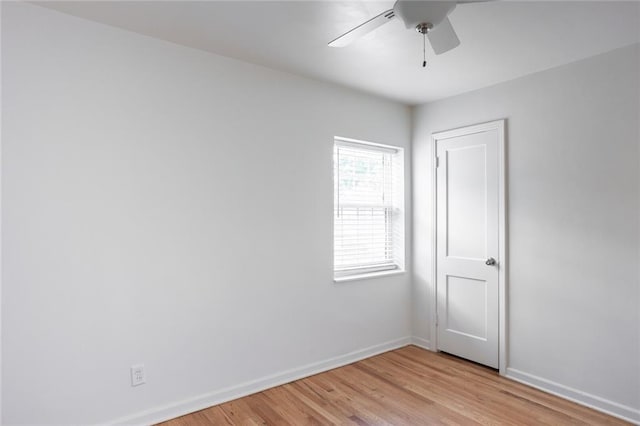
(429, 18)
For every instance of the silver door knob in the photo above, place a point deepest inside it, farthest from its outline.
(490, 261)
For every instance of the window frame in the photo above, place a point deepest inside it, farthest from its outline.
(397, 266)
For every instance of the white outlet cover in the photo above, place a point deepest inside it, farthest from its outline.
(137, 375)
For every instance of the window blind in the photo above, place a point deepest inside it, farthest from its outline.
(365, 208)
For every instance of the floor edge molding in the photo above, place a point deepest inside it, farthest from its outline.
(421, 343)
(171, 411)
(580, 397)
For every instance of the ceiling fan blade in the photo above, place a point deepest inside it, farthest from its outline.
(363, 29)
(443, 37)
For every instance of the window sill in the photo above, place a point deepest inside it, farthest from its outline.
(357, 277)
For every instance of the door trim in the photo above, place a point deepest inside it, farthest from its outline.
(500, 127)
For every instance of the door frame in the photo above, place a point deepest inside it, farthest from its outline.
(500, 127)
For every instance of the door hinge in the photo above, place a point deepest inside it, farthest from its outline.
(437, 162)
(436, 320)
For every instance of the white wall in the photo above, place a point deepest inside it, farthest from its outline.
(573, 210)
(0, 215)
(167, 206)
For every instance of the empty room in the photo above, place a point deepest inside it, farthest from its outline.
(320, 212)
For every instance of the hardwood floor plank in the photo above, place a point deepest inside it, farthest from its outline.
(368, 407)
(356, 408)
(215, 416)
(407, 386)
(414, 408)
(313, 400)
(449, 398)
(292, 409)
(485, 387)
(532, 401)
(460, 395)
(551, 402)
(240, 412)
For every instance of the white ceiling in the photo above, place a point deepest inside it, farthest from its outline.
(500, 40)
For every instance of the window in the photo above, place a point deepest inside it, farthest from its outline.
(368, 220)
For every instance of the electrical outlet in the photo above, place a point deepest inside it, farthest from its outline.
(137, 375)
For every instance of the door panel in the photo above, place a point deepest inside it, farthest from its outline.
(467, 191)
(466, 314)
(466, 199)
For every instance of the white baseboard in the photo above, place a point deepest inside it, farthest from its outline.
(592, 401)
(177, 409)
(421, 343)
(167, 412)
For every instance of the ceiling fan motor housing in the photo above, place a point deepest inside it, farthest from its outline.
(414, 13)
(424, 28)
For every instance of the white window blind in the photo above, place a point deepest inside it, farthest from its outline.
(368, 220)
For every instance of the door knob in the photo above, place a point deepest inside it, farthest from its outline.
(490, 261)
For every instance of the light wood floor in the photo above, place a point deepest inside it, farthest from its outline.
(408, 386)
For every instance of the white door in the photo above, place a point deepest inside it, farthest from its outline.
(469, 219)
